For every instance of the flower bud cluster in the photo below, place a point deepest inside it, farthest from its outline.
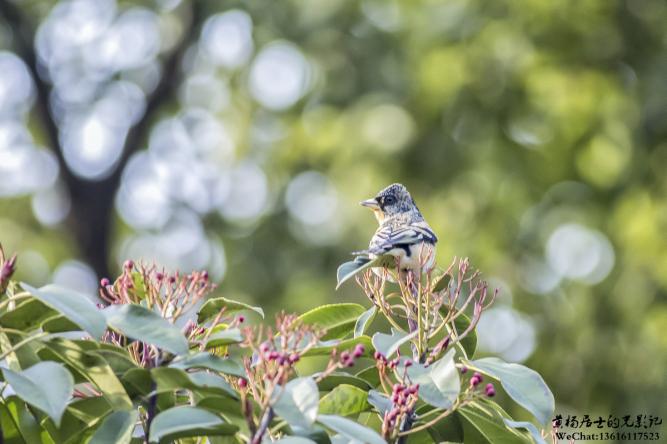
(7, 268)
(476, 380)
(171, 293)
(382, 361)
(403, 399)
(268, 353)
(348, 358)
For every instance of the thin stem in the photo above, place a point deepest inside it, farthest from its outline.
(150, 411)
(432, 422)
(16, 297)
(263, 426)
(21, 344)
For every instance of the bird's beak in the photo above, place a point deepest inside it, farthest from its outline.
(370, 203)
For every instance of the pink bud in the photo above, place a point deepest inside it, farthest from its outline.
(359, 350)
(129, 264)
(241, 319)
(104, 282)
(159, 276)
(243, 383)
(408, 363)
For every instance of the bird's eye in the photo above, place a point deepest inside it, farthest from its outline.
(389, 200)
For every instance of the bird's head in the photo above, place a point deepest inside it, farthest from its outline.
(393, 200)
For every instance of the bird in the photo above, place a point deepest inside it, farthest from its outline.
(402, 233)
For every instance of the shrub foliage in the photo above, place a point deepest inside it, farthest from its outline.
(158, 357)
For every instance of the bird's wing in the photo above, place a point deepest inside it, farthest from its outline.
(387, 238)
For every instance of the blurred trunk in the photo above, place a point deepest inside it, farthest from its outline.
(91, 217)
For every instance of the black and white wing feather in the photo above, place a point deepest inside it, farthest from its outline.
(389, 237)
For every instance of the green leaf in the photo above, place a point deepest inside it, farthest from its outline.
(537, 437)
(294, 440)
(387, 345)
(469, 343)
(462, 321)
(116, 428)
(186, 421)
(172, 379)
(75, 306)
(46, 385)
(335, 379)
(89, 410)
(349, 269)
(144, 325)
(326, 347)
(212, 383)
(479, 427)
(448, 429)
(350, 429)
(441, 283)
(296, 402)
(380, 401)
(26, 315)
(22, 421)
(118, 360)
(224, 405)
(91, 367)
(59, 324)
(439, 383)
(344, 400)
(212, 307)
(337, 319)
(364, 321)
(370, 375)
(224, 337)
(137, 381)
(211, 362)
(523, 385)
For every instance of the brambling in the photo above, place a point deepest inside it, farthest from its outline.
(403, 232)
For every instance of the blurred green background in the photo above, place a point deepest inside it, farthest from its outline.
(239, 137)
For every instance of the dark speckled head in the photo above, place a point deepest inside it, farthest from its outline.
(394, 199)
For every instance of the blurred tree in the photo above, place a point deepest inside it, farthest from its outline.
(240, 136)
(92, 198)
